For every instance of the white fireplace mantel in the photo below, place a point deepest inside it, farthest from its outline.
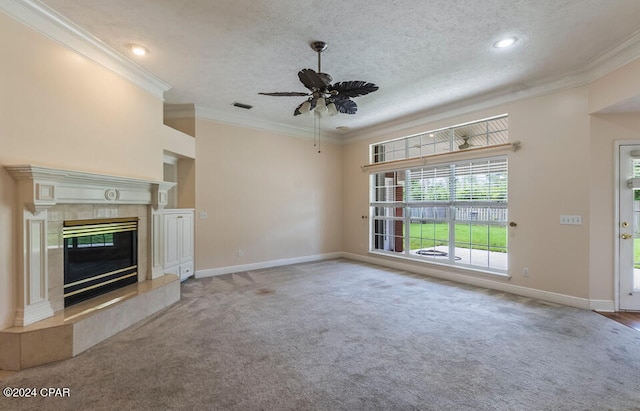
(40, 188)
(43, 187)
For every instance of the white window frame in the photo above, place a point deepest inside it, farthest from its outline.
(401, 210)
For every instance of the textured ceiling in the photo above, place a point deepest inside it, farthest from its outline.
(422, 54)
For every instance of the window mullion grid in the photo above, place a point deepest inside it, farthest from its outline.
(452, 137)
(452, 211)
(407, 213)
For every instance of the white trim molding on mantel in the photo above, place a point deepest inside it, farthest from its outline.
(40, 188)
(45, 187)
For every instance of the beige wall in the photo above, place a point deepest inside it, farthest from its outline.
(547, 177)
(271, 196)
(186, 125)
(59, 109)
(186, 183)
(615, 87)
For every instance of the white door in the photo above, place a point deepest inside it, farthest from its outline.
(629, 227)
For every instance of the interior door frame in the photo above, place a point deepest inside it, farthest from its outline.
(616, 217)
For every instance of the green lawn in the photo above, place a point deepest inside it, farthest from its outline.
(475, 236)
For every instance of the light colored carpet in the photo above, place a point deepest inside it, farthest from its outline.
(341, 335)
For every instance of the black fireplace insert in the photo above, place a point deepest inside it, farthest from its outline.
(99, 256)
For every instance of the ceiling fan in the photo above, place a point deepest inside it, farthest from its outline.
(325, 97)
(465, 144)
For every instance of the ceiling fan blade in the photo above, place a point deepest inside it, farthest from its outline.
(286, 94)
(345, 105)
(353, 88)
(326, 79)
(311, 79)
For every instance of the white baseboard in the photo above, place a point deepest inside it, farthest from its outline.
(604, 306)
(501, 285)
(484, 282)
(211, 272)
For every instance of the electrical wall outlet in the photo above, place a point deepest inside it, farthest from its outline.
(240, 253)
(571, 219)
(203, 215)
(525, 272)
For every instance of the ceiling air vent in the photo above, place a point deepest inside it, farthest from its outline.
(244, 106)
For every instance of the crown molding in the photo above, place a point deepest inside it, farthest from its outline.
(263, 125)
(614, 58)
(49, 23)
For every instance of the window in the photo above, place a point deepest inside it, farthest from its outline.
(451, 212)
(482, 133)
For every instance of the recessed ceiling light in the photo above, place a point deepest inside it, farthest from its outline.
(505, 42)
(138, 50)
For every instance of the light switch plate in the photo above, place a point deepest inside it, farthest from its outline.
(571, 219)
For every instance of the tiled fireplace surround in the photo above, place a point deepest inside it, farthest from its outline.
(44, 331)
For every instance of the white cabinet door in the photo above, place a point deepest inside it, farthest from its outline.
(171, 237)
(185, 231)
(178, 242)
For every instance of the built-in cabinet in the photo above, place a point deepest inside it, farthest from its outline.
(178, 242)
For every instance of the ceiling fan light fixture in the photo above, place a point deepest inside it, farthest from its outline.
(332, 109)
(305, 108)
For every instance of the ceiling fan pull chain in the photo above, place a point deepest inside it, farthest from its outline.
(315, 130)
(319, 131)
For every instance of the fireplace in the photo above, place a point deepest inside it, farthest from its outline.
(100, 255)
(47, 199)
(69, 222)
